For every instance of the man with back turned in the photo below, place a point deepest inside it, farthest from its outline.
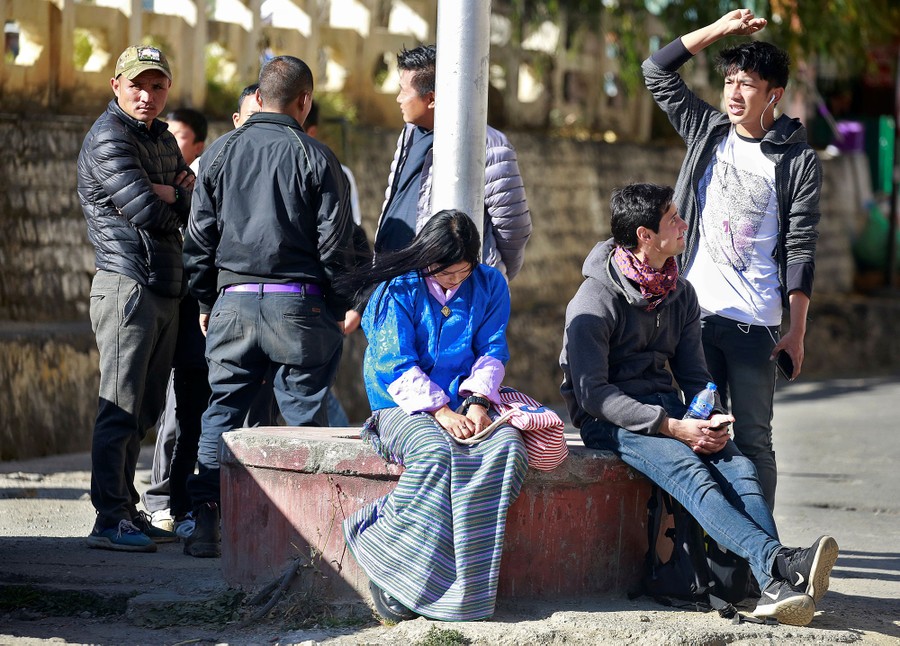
(270, 229)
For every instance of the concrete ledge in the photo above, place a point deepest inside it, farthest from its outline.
(577, 530)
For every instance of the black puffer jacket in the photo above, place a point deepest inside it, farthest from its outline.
(133, 231)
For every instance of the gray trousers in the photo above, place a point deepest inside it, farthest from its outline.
(156, 498)
(136, 332)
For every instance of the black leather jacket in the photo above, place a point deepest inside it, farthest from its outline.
(133, 231)
(271, 205)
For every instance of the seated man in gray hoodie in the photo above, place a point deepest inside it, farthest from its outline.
(632, 316)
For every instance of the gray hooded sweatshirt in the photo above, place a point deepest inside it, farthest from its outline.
(615, 351)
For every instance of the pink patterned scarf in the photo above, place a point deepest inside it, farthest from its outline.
(655, 284)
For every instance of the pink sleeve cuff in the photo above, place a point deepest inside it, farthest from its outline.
(485, 377)
(414, 392)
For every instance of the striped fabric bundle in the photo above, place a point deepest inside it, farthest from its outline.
(542, 429)
(434, 543)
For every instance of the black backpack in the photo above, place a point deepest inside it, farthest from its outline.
(700, 575)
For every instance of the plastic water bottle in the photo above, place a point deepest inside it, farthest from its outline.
(702, 405)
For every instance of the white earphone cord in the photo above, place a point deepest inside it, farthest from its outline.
(771, 100)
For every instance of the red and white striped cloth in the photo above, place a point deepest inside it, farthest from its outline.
(542, 429)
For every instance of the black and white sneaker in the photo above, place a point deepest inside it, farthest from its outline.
(388, 607)
(784, 603)
(156, 533)
(808, 570)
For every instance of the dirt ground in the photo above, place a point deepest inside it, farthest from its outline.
(827, 483)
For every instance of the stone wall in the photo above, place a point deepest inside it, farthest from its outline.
(535, 69)
(48, 360)
(46, 262)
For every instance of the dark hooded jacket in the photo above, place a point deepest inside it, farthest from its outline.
(134, 232)
(798, 171)
(615, 351)
(507, 220)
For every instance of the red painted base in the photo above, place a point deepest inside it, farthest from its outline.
(577, 530)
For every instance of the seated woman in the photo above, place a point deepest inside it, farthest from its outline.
(436, 326)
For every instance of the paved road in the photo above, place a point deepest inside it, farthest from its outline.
(839, 456)
(838, 449)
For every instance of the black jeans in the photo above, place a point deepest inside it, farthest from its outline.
(178, 430)
(248, 333)
(738, 360)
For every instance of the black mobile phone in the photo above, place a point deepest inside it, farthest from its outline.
(785, 365)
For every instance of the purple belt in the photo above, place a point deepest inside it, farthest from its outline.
(276, 288)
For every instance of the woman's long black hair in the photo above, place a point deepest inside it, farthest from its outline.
(449, 237)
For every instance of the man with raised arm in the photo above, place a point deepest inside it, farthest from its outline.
(749, 192)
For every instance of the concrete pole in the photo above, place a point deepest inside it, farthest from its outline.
(3, 18)
(198, 57)
(460, 118)
(249, 71)
(135, 26)
(62, 62)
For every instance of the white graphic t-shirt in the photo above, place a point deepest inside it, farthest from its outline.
(735, 271)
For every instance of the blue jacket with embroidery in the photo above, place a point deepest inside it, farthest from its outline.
(406, 328)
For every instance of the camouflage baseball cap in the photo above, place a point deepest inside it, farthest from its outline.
(137, 59)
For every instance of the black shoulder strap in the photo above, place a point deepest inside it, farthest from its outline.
(654, 522)
(728, 611)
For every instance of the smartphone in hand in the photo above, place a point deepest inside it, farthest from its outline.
(785, 365)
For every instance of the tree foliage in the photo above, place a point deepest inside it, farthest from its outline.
(841, 31)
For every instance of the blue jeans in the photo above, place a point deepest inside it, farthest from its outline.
(721, 490)
(738, 362)
(249, 332)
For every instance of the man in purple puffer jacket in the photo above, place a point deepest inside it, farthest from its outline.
(407, 203)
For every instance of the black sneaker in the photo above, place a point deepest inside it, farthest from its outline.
(123, 537)
(206, 539)
(157, 534)
(784, 603)
(388, 607)
(808, 570)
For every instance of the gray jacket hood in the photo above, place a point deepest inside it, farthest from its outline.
(600, 266)
(615, 351)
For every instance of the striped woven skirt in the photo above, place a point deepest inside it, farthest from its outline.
(434, 543)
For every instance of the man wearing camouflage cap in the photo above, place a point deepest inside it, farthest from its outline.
(135, 192)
